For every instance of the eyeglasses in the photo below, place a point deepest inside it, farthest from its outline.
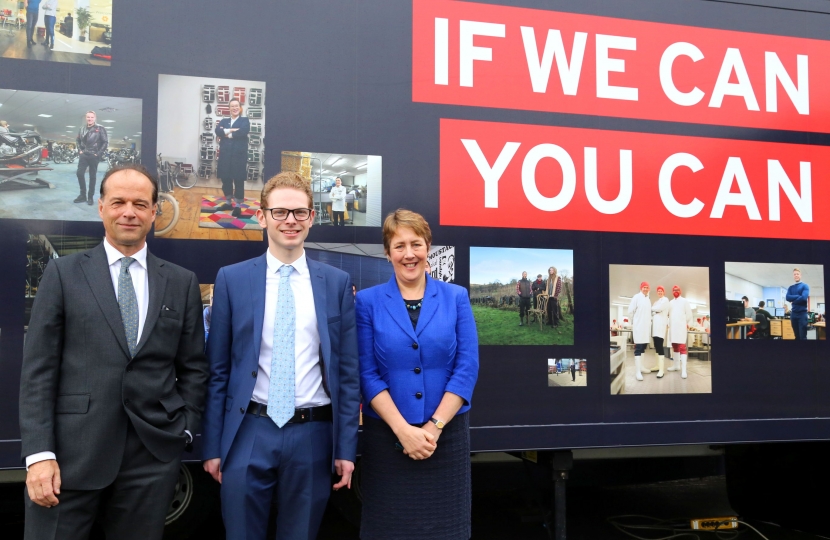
(281, 214)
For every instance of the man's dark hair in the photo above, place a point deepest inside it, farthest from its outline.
(761, 303)
(140, 169)
(744, 298)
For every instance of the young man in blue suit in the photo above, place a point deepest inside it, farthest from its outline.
(283, 395)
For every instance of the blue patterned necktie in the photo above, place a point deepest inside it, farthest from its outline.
(128, 304)
(281, 386)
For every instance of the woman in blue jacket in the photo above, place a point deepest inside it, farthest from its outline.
(418, 366)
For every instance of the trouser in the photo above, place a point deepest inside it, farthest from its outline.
(679, 348)
(524, 305)
(573, 375)
(84, 161)
(553, 311)
(658, 345)
(799, 322)
(292, 463)
(234, 188)
(338, 218)
(640, 348)
(31, 23)
(133, 507)
(50, 29)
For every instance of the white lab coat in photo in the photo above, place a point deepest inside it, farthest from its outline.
(338, 198)
(680, 315)
(639, 312)
(660, 317)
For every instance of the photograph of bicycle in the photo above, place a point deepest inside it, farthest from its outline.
(55, 149)
(209, 157)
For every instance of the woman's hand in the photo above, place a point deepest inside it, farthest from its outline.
(433, 430)
(418, 443)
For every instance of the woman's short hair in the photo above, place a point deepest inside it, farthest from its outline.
(405, 218)
(286, 179)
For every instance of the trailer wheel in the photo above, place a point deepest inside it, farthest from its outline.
(195, 499)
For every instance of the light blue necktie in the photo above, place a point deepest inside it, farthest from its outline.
(128, 304)
(281, 387)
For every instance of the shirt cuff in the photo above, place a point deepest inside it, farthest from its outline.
(189, 436)
(40, 456)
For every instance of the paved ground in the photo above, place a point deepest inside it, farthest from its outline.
(505, 507)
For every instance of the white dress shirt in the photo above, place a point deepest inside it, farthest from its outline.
(228, 132)
(138, 272)
(308, 379)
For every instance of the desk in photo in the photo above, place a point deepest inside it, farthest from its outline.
(781, 328)
(737, 330)
(821, 333)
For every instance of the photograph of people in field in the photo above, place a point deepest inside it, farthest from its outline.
(522, 296)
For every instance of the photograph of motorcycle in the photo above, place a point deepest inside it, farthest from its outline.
(56, 148)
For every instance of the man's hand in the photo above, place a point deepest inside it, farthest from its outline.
(43, 480)
(211, 466)
(344, 468)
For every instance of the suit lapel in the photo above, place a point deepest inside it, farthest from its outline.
(429, 307)
(318, 289)
(97, 274)
(157, 281)
(258, 276)
(396, 307)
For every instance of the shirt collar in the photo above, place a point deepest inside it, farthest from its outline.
(274, 264)
(113, 255)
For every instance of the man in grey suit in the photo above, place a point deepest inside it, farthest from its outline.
(113, 377)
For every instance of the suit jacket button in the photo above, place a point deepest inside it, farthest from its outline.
(417, 370)
(129, 369)
(415, 346)
(126, 402)
(419, 395)
(241, 410)
(253, 374)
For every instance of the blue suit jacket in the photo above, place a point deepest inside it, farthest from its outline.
(444, 345)
(234, 343)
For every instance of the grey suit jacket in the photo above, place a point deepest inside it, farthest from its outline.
(79, 387)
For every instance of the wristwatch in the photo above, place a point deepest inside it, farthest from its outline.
(438, 423)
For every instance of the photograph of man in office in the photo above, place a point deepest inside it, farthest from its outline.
(567, 372)
(347, 188)
(510, 307)
(775, 301)
(57, 149)
(659, 338)
(72, 31)
(209, 148)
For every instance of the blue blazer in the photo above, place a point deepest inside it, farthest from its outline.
(416, 366)
(233, 352)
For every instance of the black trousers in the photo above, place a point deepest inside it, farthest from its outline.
(524, 305)
(84, 161)
(553, 311)
(338, 218)
(234, 188)
(133, 507)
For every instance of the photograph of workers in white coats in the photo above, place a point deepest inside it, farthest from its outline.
(659, 324)
(680, 317)
(639, 311)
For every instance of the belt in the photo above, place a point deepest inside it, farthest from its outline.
(306, 414)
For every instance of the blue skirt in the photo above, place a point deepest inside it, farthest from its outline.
(407, 499)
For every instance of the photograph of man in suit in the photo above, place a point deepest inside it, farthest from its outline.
(283, 396)
(113, 377)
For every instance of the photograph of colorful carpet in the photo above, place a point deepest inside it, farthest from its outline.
(211, 217)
